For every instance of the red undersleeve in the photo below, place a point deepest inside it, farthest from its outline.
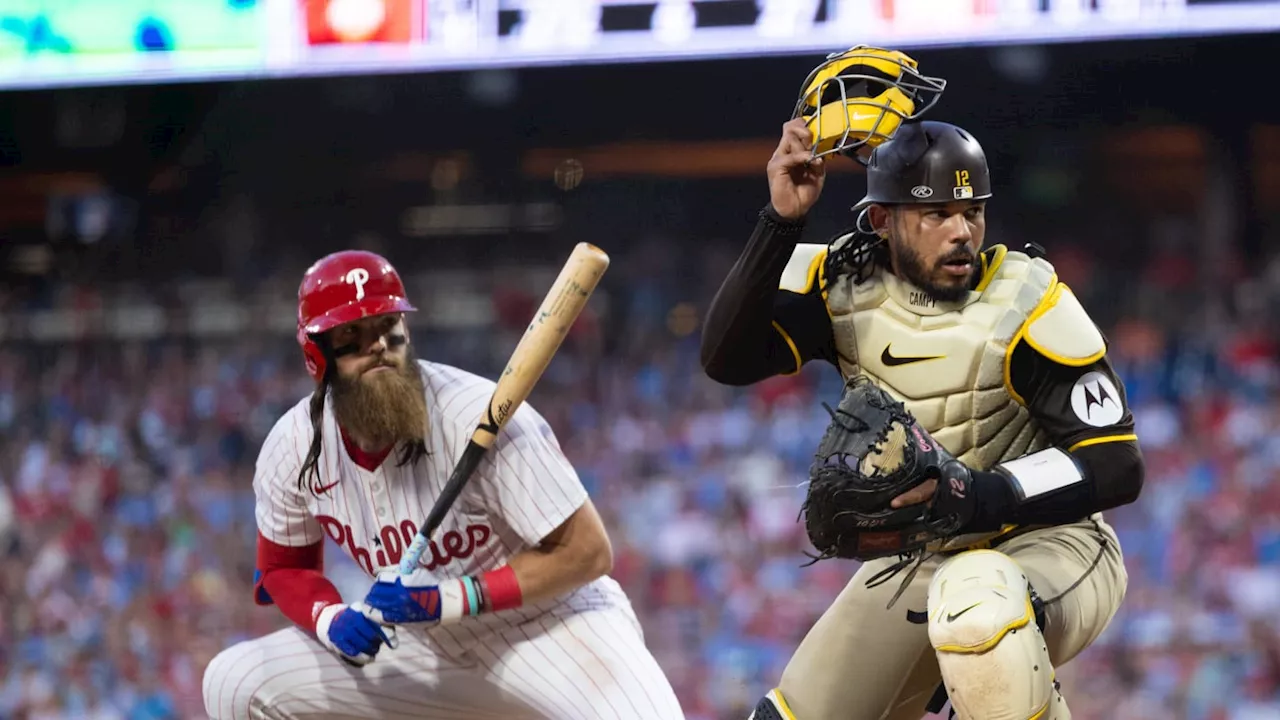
(293, 579)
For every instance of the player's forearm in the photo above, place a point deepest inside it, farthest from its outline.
(548, 572)
(739, 343)
(572, 555)
(292, 578)
(569, 557)
(1108, 475)
(301, 594)
(531, 576)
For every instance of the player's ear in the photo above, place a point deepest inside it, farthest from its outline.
(878, 216)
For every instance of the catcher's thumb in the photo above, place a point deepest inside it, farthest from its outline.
(956, 476)
(954, 497)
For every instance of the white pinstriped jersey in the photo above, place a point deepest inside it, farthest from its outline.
(524, 488)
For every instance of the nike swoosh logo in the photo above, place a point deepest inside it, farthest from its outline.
(325, 489)
(952, 616)
(891, 360)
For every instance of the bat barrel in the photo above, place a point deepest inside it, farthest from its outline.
(559, 310)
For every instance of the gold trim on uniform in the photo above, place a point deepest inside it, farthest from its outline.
(815, 272)
(1086, 357)
(1046, 303)
(1102, 440)
(781, 703)
(795, 352)
(989, 268)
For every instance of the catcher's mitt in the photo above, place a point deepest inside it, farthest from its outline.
(873, 451)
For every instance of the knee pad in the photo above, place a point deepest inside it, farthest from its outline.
(772, 707)
(993, 656)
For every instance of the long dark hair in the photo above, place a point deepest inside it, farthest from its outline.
(311, 466)
(412, 452)
(855, 251)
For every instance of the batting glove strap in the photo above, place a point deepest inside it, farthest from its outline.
(350, 635)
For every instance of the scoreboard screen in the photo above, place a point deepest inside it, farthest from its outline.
(80, 42)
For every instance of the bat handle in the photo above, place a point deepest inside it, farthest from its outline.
(419, 545)
(452, 489)
(409, 561)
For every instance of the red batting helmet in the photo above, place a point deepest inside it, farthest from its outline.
(342, 287)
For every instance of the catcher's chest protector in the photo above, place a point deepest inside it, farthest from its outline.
(947, 361)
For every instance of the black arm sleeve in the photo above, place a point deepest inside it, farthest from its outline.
(753, 330)
(1085, 412)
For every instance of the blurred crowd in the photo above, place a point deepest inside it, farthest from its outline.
(127, 526)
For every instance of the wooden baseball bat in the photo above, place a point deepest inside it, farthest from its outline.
(560, 308)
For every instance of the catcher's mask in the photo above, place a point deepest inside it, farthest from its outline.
(860, 97)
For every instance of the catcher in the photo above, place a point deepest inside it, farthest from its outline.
(981, 433)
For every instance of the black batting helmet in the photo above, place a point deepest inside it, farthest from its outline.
(927, 162)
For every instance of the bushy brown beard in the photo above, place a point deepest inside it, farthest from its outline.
(383, 408)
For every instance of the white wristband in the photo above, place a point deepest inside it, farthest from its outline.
(459, 598)
(324, 620)
(1042, 473)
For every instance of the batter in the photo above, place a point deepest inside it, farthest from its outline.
(511, 614)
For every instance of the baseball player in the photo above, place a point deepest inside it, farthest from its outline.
(998, 361)
(511, 613)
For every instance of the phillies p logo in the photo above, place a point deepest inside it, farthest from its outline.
(358, 277)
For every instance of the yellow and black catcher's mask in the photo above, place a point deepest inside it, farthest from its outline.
(860, 97)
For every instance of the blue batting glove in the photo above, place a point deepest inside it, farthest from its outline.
(420, 599)
(350, 635)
